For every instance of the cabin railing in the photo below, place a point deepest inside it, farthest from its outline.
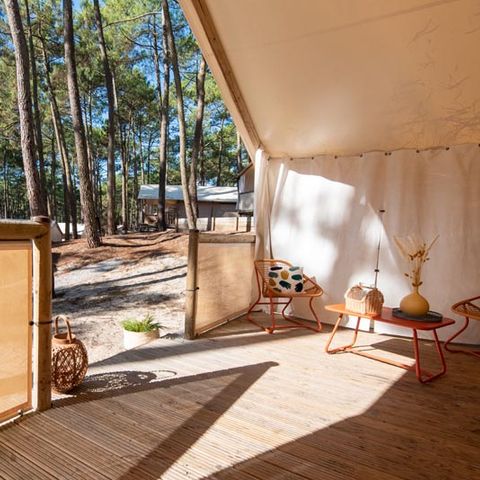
(26, 277)
(219, 279)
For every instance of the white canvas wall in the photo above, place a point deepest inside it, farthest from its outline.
(322, 213)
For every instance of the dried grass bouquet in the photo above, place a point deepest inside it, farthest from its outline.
(415, 250)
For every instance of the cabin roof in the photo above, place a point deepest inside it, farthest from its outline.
(204, 193)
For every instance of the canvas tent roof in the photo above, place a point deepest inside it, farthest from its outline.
(204, 193)
(307, 77)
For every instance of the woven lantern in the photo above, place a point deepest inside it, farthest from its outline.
(69, 359)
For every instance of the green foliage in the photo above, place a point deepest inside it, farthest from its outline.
(146, 324)
(131, 58)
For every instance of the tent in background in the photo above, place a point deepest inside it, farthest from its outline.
(350, 107)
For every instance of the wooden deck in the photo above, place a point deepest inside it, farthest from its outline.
(241, 404)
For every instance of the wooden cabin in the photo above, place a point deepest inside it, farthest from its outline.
(213, 202)
(246, 189)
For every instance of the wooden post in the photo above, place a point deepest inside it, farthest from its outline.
(42, 317)
(191, 293)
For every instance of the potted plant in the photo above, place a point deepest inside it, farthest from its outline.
(415, 250)
(138, 332)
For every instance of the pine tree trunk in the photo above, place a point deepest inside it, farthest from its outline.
(88, 140)
(5, 185)
(239, 153)
(149, 154)
(36, 200)
(71, 203)
(140, 150)
(172, 53)
(135, 202)
(163, 110)
(53, 181)
(66, 205)
(197, 135)
(36, 111)
(202, 161)
(124, 139)
(70, 208)
(220, 156)
(99, 190)
(111, 123)
(91, 156)
(86, 195)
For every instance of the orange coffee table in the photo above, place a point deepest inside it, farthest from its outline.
(387, 317)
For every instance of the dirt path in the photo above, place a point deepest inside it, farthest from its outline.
(129, 277)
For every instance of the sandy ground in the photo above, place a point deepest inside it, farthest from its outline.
(128, 277)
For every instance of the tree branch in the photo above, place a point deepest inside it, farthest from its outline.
(132, 19)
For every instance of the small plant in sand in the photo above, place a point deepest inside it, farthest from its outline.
(146, 324)
(415, 250)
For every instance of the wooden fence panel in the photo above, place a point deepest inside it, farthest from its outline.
(15, 328)
(224, 273)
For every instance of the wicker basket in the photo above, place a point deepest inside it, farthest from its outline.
(69, 359)
(364, 299)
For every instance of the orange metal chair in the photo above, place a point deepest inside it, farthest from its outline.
(468, 309)
(311, 291)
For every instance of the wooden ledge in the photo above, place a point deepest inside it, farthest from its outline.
(23, 229)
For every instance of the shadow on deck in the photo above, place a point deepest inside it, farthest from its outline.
(241, 404)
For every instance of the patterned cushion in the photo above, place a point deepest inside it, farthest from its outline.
(285, 279)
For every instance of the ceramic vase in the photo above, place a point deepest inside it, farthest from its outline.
(414, 304)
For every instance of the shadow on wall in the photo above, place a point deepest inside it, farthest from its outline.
(325, 218)
(322, 221)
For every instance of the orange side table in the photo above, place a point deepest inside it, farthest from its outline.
(387, 317)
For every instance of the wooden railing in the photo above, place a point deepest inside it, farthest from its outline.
(219, 279)
(37, 231)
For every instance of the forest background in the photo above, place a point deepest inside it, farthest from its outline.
(149, 111)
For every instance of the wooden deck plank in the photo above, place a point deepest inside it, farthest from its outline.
(19, 462)
(241, 404)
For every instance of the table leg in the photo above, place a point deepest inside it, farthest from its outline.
(334, 331)
(422, 376)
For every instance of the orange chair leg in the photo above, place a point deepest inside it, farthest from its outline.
(448, 348)
(272, 317)
(255, 303)
(298, 324)
(319, 323)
